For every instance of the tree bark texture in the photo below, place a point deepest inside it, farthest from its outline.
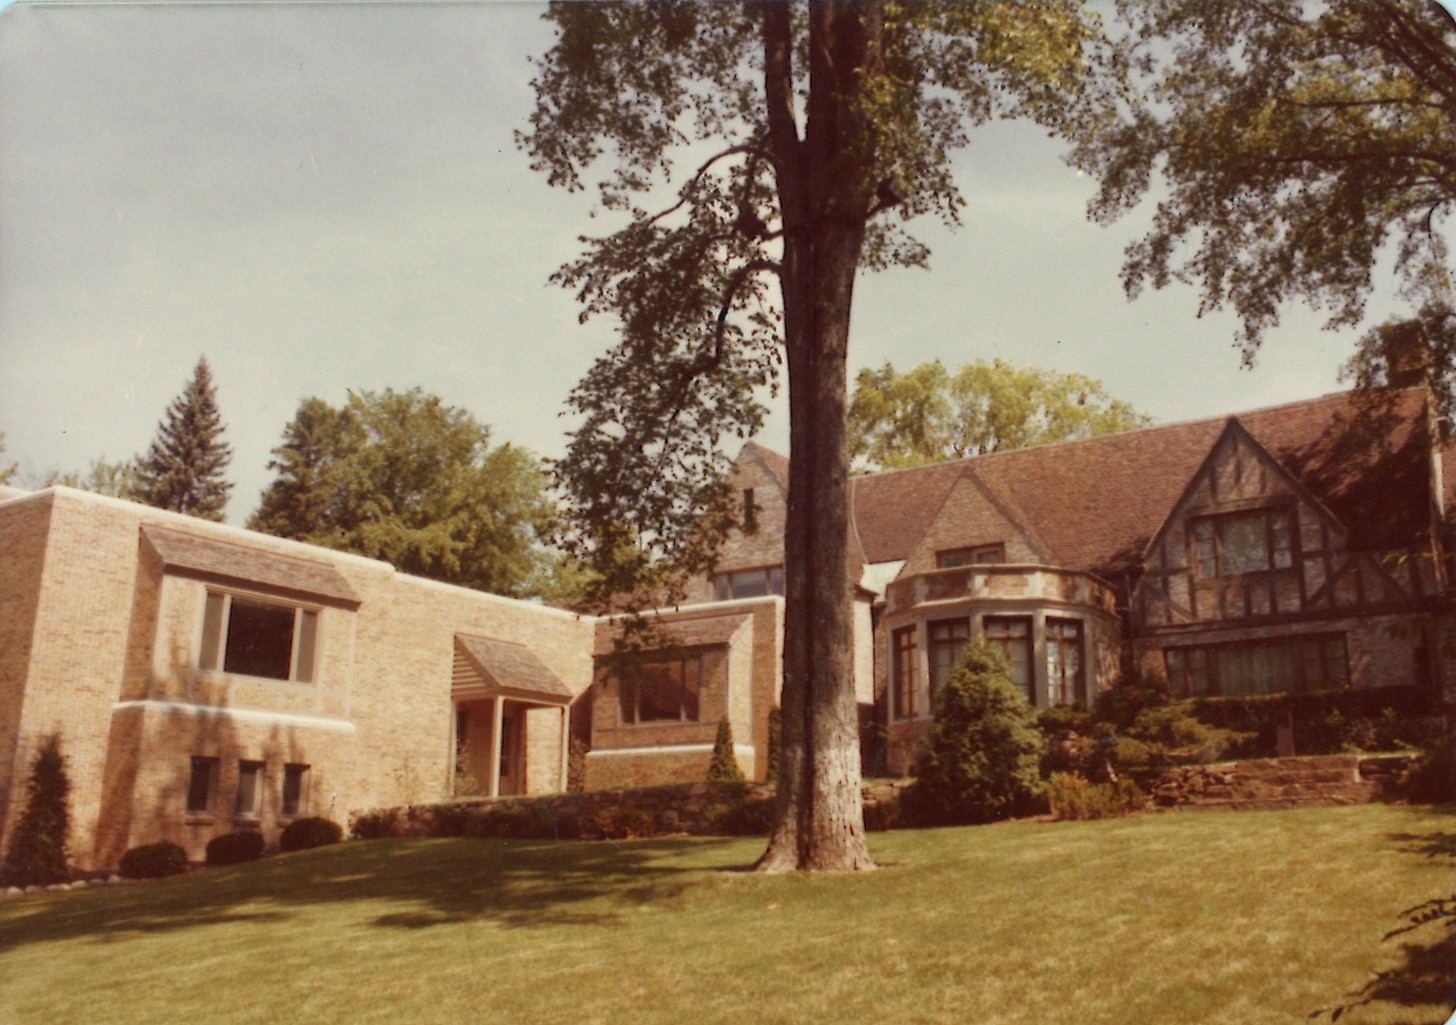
(825, 199)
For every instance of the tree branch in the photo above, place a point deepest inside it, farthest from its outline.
(690, 186)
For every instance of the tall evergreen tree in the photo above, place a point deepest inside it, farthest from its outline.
(183, 470)
(36, 855)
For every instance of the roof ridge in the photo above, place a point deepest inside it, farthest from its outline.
(1223, 417)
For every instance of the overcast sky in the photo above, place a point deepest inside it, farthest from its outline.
(327, 196)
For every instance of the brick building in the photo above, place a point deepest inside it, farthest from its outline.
(205, 678)
(1295, 547)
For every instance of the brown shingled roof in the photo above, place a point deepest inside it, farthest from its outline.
(512, 668)
(223, 561)
(696, 632)
(1094, 504)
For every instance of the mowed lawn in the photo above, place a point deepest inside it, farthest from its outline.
(1184, 918)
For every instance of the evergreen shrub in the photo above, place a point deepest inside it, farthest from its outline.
(724, 766)
(154, 861)
(981, 759)
(303, 834)
(37, 852)
(235, 848)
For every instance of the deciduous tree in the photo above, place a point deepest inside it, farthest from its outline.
(402, 476)
(927, 414)
(815, 131)
(183, 470)
(1299, 143)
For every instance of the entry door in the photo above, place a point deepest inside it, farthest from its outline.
(512, 752)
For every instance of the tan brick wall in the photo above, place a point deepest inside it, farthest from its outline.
(113, 667)
(765, 547)
(23, 530)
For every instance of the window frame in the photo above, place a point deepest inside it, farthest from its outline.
(1193, 669)
(301, 775)
(726, 584)
(1004, 642)
(207, 808)
(971, 555)
(946, 651)
(258, 771)
(1208, 541)
(1059, 692)
(904, 695)
(631, 686)
(305, 641)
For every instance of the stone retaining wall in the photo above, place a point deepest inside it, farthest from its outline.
(1282, 782)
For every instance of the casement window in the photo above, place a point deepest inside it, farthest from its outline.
(1243, 542)
(948, 640)
(979, 555)
(254, 637)
(1268, 666)
(295, 791)
(249, 804)
(1012, 634)
(749, 583)
(201, 785)
(1066, 669)
(662, 691)
(902, 673)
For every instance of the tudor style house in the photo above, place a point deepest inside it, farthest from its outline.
(204, 678)
(1298, 547)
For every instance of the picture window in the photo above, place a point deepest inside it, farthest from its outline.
(253, 637)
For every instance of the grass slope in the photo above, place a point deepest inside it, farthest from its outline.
(1219, 918)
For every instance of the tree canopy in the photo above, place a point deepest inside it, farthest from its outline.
(927, 414)
(813, 133)
(184, 468)
(401, 476)
(1300, 143)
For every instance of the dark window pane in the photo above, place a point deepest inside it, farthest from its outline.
(295, 778)
(260, 639)
(200, 785)
(660, 692)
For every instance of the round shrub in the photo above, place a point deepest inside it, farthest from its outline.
(377, 825)
(154, 861)
(982, 759)
(303, 834)
(235, 848)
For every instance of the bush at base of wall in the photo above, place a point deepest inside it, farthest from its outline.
(235, 848)
(303, 834)
(154, 861)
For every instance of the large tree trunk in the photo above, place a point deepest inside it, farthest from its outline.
(824, 198)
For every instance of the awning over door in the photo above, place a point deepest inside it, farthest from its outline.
(489, 668)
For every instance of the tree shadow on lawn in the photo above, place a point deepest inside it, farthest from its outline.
(1423, 978)
(511, 883)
